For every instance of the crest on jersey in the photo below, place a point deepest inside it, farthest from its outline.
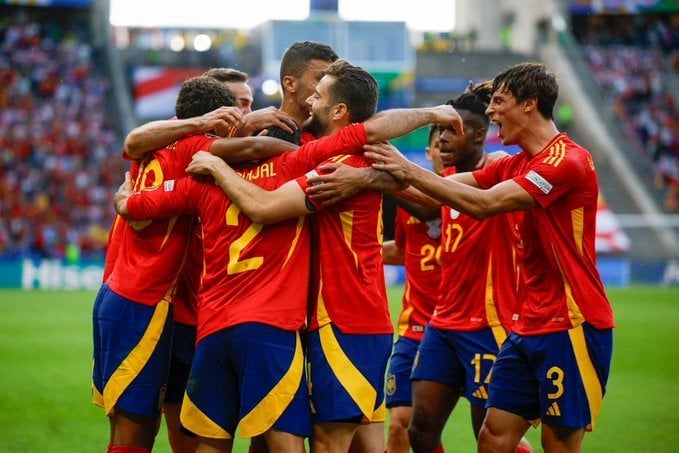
(454, 214)
(434, 228)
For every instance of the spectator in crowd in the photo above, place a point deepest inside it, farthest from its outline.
(59, 150)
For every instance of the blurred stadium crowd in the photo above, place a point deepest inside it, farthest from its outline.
(632, 59)
(60, 141)
(59, 145)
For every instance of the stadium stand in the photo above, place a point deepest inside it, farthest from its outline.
(59, 147)
(641, 97)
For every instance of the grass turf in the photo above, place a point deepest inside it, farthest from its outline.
(45, 365)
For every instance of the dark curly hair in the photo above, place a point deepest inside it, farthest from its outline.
(200, 95)
(475, 100)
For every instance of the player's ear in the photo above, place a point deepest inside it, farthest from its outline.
(339, 110)
(480, 135)
(530, 104)
(289, 83)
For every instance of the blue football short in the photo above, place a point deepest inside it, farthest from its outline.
(346, 375)
(132, 345)
(250, 375)
(459, 359)
(558, 378)
(399, 388)
(183, 349)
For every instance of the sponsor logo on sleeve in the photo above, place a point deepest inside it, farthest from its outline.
(168, 186)
(539, 181)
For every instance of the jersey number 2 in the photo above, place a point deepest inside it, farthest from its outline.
(236, 265)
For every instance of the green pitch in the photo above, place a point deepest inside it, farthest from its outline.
(45, 365)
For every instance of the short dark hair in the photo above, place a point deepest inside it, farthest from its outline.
(298, 55)
(200, 95)
(474, 100)
(527, 81)
(355, 87)
(227, 75)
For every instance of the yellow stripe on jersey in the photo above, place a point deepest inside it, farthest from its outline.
(135, 361)
(196, 421)
(577, 218)
(340, 158)
(116, 221)
(322, 316)
(356, 385)
(557, 153)
(347, 219)
(262, 417)
(574, 313)
(491, 310)
(380, 226)
(587, 372)
(404, 319)
(298, 233)
(170, 226)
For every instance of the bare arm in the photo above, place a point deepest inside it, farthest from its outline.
(124, 192)
(393, 123)
(247, 149)
(258, 120)
(392, 253)
(340, 181)
(262, 206)
(506, 196)
(422, 212)
(157, 134)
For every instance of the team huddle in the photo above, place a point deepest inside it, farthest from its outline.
(244, 281)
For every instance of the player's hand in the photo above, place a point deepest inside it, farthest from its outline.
(489, 158)
(124, 192)
(446, 116)
(264, 118)
(337, 182)
(222, 120)
(388, 159)
(204, 163)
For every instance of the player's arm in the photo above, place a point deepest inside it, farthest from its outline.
(262, 206)
(248, 149)
(457, 193)
(422, 212)
(158, 134)
(168, 200)
(392, 253)
(123, 194)
(261, 119)
(392, 123)
(338, 181)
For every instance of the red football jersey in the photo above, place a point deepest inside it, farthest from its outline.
(253, 273)
(421, 242)
(478, 273)
(152, 252)
(114, 234)
(348, 286)
(560, 287)
(188, 284)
